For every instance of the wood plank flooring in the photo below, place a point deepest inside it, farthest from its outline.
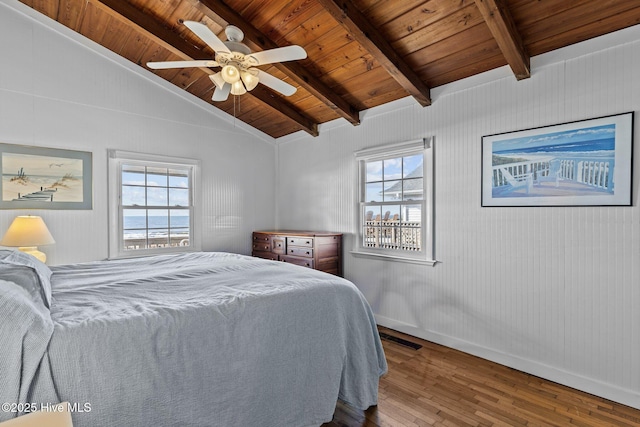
(439, 386)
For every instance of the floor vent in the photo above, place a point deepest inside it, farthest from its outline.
(400, 341)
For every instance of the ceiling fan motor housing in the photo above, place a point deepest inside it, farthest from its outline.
(234, 34)
(238, 59)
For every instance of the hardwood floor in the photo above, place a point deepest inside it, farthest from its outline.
(439, 386)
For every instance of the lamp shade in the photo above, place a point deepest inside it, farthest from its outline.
(250, 79)
(230, 74)
(27, 231)
(238, 88)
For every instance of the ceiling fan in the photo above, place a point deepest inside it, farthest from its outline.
(238, 74)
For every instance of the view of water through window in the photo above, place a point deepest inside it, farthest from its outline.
(155, 203)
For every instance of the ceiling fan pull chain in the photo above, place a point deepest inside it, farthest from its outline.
(236, 108)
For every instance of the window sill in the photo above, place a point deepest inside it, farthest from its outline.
(386, 257)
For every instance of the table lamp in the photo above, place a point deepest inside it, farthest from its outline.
(27, 233)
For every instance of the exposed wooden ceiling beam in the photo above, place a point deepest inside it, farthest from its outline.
(363, 31)
(505, 32)
(151, 28)
(269, 98)
(256, 40)
(185, 50)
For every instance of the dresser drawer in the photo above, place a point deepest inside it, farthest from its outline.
(262, 237)
(278, 245)
(305, 262)
(261, 247)
(300, 251)
(300, 241)
(265, 255)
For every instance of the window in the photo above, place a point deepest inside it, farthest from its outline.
(395, 206)
(152, 202)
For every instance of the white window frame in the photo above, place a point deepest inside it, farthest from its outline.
(117, 159)
(422, 146)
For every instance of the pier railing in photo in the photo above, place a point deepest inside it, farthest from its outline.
(44, 195)
(592, 172)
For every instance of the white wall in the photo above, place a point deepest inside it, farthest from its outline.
(553, 291)
(60, 90)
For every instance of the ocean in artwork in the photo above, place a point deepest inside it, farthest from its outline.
(577, 162)
(596, 141)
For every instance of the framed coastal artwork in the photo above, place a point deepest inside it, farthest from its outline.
(583, 163)
(45, 178)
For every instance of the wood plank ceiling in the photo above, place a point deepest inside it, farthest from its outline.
(361, 53)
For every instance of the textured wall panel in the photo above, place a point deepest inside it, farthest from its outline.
(550, 290)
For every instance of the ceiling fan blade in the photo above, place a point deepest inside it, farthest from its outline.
(279, 54)
(221, 94)
(163, 65)
(217, 79)
(207, 36)
(276, 84)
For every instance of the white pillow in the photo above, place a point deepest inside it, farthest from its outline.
(14, 257)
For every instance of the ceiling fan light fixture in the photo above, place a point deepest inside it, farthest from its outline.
(230, 74)
(250, 80)
(237, 62)
(238, 88)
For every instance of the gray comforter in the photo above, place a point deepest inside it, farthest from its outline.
(206, 339)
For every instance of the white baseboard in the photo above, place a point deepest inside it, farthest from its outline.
(608, 391)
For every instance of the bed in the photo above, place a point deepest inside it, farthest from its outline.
(198, 339)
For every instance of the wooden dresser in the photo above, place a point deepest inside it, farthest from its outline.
(318, 250)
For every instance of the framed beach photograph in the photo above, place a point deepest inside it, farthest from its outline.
(45, 178)
(582, 163)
